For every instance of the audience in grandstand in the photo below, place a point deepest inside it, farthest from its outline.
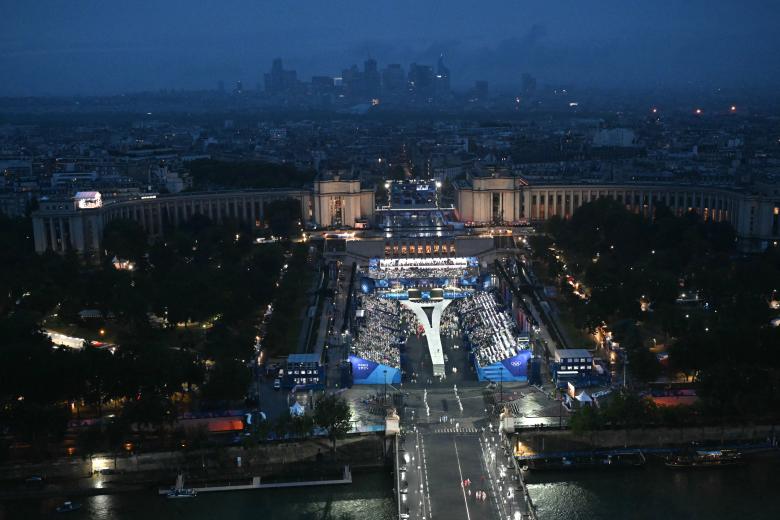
(382, 328)
(490, 330)
(448, 268)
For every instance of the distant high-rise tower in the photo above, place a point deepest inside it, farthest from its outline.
(280, 81)
(442, 77)
(221, 87)
(239, 88)
(421, 80)
(352, 82)
(372, 82)
(393, 80)
(528, 86)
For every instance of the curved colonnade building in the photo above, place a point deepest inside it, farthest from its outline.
(77, 224)
(754, 213)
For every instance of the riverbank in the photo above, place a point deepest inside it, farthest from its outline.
(272, 462)
(551, 440)
(369, 496)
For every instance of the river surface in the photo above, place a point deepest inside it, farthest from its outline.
(368, 497)
(657, 492)
(652, 492)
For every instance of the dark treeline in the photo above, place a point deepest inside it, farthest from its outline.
(723, 340)
(184, 318)
(213, 174)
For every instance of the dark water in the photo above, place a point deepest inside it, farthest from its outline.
(368, 497)
(653, 492)
(656, 492)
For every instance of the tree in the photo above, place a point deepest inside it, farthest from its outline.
(210, 173)
(333, 414)
(301, 425)
(89, 440)
(282, 424)
(125, 239)
(151, 411)
(586, 419)
(689, 353)
(227, 381)
(283, 217)
(117, 429)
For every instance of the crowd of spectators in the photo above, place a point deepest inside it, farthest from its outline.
(382, 326)
(450, 322)
(445, 273)
(442, 268)
(488, 328)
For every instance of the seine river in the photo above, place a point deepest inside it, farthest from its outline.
(652, 492)
(368, 497)
(655, 492)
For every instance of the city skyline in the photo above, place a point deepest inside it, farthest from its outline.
(95, 49)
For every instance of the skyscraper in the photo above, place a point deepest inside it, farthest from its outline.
(372, 80)
(421, 81)
(442, 78)
(352, 82)
(280, 81)
(528, 85)
(393, 81)
(481, 90)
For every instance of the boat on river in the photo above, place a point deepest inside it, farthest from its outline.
(706, 459)
(68, 507)
(604, 460)
(182, 493)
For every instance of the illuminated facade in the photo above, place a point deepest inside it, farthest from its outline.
(341, 202)
(334, 202)
(755, 213)
(61, 226)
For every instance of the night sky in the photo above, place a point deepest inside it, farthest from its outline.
(105, 47)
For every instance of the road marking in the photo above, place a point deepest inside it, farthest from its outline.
(462, 487)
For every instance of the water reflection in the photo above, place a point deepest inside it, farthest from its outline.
(368, 497)
(657, 492)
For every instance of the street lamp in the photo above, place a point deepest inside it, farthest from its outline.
(384, 395)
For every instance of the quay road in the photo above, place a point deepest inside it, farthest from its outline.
(438, 455)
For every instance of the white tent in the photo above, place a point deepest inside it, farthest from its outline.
(296, 410)
(584, 399)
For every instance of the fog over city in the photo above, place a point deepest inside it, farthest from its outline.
(56, 47)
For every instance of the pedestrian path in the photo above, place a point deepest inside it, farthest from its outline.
(454, 430)
(432, 331)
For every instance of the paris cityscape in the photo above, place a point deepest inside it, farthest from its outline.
(409, 260)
